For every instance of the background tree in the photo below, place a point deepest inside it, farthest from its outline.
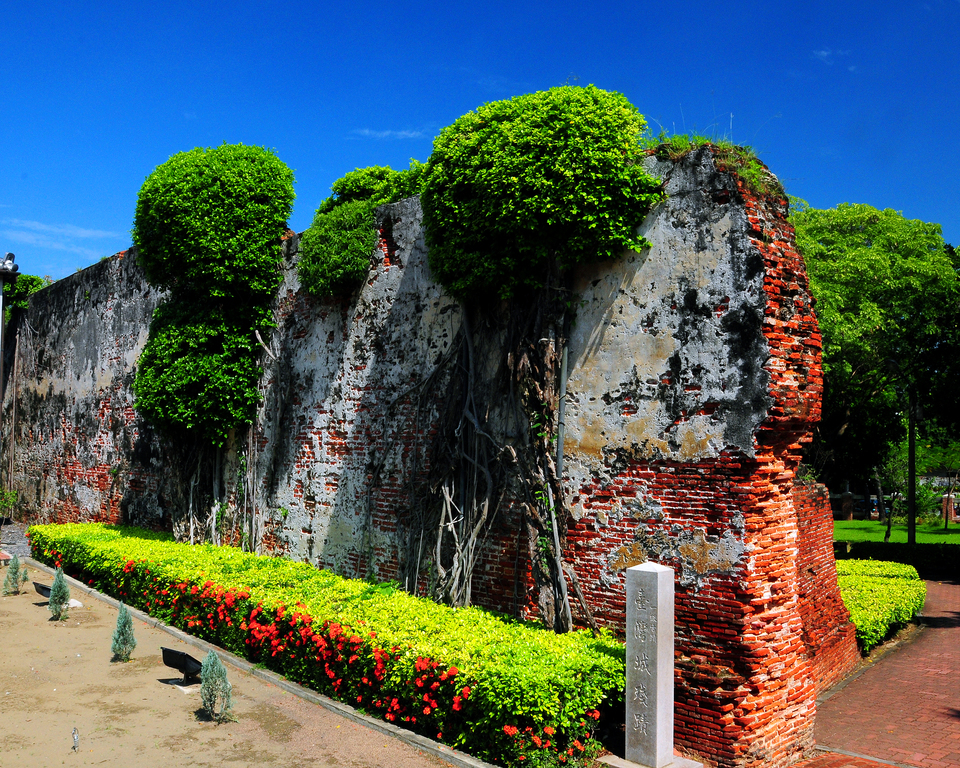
(887, 303)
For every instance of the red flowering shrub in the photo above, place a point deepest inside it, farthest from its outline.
(349, 661)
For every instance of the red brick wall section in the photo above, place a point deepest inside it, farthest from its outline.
(828, 633)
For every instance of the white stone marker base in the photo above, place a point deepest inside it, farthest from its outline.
(619, 762)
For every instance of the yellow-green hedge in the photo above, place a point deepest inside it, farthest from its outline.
(879, 596)
(463, 676)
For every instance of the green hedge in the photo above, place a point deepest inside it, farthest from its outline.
(879, 595)
(932, 561)
(499, 689)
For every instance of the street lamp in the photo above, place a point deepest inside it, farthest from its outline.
(8, 274)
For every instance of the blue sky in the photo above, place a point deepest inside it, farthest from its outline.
(845, 102)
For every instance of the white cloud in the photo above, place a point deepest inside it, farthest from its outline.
(40, 241)
(828, 55)
(367, 133)
(63, 230)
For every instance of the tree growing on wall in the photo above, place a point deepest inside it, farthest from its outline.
(516, 186)
(16, 294)
(208, 229)
(336, 248)
(514, 195)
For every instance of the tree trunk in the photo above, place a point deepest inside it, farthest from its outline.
(912, 469)
(881, 507)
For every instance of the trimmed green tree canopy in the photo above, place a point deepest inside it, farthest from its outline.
(336, 248)
(209, 221)
(208, 227)
(544, 178)
(198, 372)
(887, 293)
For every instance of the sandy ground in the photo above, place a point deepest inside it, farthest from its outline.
(57, 676)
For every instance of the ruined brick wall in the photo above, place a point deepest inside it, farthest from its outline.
(340, 439)
(828, 633)
(343, 436)
(694, 380)
(81, 452)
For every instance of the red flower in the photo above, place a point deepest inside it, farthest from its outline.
(549, 730)
(511, 730)
(536, 740)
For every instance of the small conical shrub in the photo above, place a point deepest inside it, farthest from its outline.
(16, 577)
(59, 596)
(215, 689)
(123, 640)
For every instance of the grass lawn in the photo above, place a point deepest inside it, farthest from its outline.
(874, 530)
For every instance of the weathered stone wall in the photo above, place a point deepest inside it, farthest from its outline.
(342, 438)
(694, 379)
(81, 452)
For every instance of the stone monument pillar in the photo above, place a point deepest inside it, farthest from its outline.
(649, 684)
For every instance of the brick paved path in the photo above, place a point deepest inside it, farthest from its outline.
(905, 709)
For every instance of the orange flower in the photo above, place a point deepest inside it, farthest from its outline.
(549, 730)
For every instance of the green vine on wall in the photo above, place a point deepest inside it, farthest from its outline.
(208, 228)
